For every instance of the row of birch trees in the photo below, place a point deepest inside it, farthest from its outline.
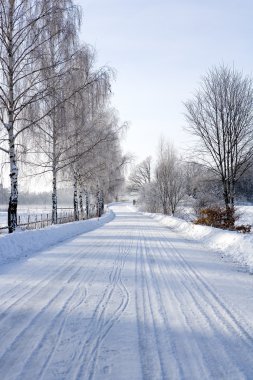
(55, 108)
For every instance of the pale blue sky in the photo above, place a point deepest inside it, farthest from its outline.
(160, 49)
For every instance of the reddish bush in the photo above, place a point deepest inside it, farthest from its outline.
(219, 217)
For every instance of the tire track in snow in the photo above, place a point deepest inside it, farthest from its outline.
(50, 278)
(193, 356)
(23, 337)
(80, 342)
(30, 291)
(220, 318)
(102, 319)
(164, 347)
(186, 346)
(60, 336)
(8, 295)
(152, 366)
(213, 315)
(170, 313)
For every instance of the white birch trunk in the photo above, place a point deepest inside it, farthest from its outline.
(102, 201)
(13, 200)
(81, 205)
(99, 203)
(87, 204)
(75, 199)
(54, 183)
(54, 199)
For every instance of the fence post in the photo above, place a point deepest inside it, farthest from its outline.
(28, 221)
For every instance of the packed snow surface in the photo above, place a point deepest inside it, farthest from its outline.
(130, 300)
(236, 245)
(24, 243)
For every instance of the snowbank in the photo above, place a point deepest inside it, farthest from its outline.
(24, 243)
(236, 245)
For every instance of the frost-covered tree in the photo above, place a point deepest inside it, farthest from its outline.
(221, 116)
(140, 175)
(149, 198)
(169, 178)
(27, 30)
(67, 132)
(98, 167)
(164, 192)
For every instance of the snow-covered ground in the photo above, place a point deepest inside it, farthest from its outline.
(35, 212)
(245, 214)
(237, 246)
(130, 300)
(24, 243)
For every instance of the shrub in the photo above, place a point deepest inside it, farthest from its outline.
(217, 216)
(221, 217)
(243, 228)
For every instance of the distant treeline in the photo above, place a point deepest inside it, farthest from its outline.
(44, 198)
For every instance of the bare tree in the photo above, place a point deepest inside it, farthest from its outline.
(98, 168)
(67, 132)
(169, 178)
(221, 116)
(26, 28)
(140, 175)
(149, 198)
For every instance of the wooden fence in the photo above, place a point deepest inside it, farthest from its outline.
(42, 220)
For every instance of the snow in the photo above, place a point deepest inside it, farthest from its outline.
(34, 212)
(129, 300)
(245, 215)
(24, 243)
(237, 246)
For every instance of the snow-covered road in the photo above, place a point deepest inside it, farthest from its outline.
(131, 300)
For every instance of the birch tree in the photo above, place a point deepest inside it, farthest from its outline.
(221, 116)
(98, 169)
(25, 34)
(66, 131)
(84, 111)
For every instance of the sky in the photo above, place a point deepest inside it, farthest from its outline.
(160, 50)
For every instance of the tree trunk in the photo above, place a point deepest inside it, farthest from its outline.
(99, 204)
(54, 169)
(87, 204)
(102, 202)
(81, 205)
(75, 199)
(54, 199)
(13, 201)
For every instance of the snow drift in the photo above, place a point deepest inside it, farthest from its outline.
(25, 243)
(234, 244)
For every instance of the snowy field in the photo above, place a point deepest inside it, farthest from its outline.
(34, 212)
(130, 300)
(245, 215)
(23, 211)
